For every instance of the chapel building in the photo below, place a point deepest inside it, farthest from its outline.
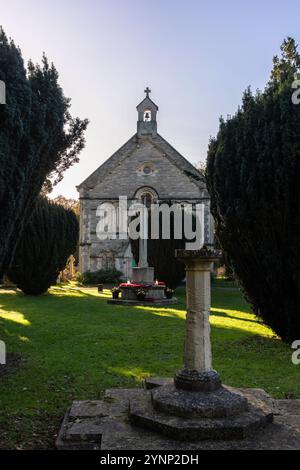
(145, 167)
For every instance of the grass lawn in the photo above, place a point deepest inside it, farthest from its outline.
(74, 345)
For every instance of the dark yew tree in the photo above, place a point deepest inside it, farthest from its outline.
(253, 174)
(39, 140)
(48, 239)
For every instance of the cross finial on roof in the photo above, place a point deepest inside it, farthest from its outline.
(147, 91)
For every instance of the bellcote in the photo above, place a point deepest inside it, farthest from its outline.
(147, 111)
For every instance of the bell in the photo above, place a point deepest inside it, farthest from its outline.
(147, 117)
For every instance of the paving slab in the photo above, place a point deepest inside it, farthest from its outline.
(108, 427)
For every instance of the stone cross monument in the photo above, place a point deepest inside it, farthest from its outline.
(143, 273)
(195, 405)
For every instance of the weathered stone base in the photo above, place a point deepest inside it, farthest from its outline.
(194, 429)
(153, 293)
(143, 275)
(152, 303)
(105, 425)
(221, 403)
(197, 381)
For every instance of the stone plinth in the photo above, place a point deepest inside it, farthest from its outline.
(142, 278)
(142, 275)
(194, 428)
(194, 380)
(221, 403)
(103, 424)
(155, 295)
(154, 292)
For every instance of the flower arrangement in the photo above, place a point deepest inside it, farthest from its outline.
(115, 292)
(169, 293)
(132, 285)
(141, 294)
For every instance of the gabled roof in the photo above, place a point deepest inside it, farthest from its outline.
(109, 164)
(179, 160)
(146, 101)
(124, 152)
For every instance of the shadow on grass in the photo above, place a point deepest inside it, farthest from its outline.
(28, 312)
(76, 346)
(222, 313)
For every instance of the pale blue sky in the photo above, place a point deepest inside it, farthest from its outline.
(196, 56)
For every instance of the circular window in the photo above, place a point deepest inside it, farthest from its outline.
(147, 170)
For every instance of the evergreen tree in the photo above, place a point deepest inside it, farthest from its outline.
(253, 174)
(48, 240)
(39, 140)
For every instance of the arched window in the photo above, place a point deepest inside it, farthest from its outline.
(147, 199)
(146, 195)
(147, 115)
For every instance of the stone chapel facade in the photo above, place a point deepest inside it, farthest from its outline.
(145, 166)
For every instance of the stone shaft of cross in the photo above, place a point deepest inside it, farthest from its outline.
(143, 240)
(197, 342)
(197, 352)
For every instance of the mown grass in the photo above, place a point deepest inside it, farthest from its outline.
(74, 345)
